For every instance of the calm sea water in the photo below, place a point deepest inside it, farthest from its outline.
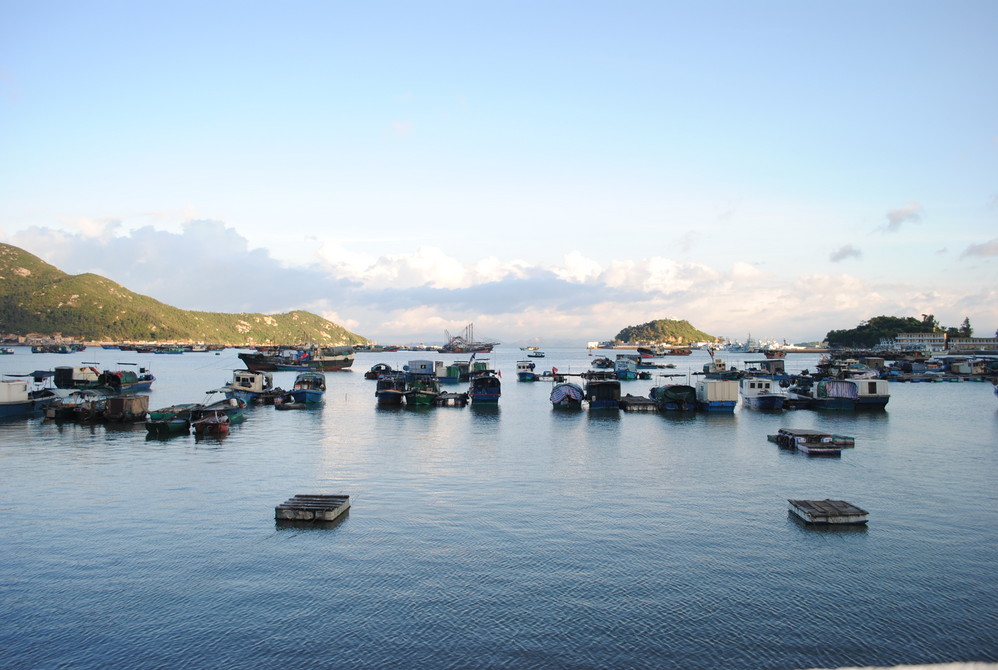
(512, 537)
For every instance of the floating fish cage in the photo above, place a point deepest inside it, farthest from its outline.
(451, 400)
(312, 507)
(812, 441)
(828, 512)
(634, 403)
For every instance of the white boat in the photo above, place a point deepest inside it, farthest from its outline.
(871, 393)
(760, 393)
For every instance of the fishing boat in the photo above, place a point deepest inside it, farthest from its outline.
(116, 381)
(168, 427)
(626, 367)
(567, 395)
(212, 423)
(674, 397)
(466, 343)
(422, 389)
(126, 380)
(485, 388)
(182, 410)
(309, 387)
(760, 393)
(871, 393)
(304, 357)
(717, 395)
(234, 408)
(377, 370)
(536, 354)
(799, 392)
(391, 388)
(126, 408)
(252, 386)
(718, 369)
(835, 395)
(525, 371)
(6, 351)
(602, 391)
(15, 399)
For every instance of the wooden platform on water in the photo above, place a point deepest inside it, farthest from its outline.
(451, 400)
(312, 507)
(635, 403)
(813, 442)
(828, 512)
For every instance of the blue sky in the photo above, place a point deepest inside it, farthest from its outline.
(549, 171)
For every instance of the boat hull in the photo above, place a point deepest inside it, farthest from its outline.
(833, 404)
(765, 402)
(17, 409)
(716, 405)
(308, 395)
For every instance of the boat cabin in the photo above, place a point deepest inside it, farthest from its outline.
(769, 366)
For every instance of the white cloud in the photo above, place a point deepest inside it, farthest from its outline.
(910, 213)
(844, 252)
(985, 250)
(577, 268)
(748, 273)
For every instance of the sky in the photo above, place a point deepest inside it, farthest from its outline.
(549, 171)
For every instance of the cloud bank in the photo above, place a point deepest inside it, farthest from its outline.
(415, 297)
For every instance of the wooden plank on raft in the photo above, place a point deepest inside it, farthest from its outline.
(312, 507)
(828, 511)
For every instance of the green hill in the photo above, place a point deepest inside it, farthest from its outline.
(36, 297)
(663, 331)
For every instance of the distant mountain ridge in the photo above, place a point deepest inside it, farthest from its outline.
(36, 297)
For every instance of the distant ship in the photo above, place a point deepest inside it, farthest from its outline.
(465, 343)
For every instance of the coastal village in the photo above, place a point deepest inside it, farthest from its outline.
(843, 380)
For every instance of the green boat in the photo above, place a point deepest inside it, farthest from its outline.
(422, 390)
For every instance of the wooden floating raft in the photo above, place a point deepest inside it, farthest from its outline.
(812, 441)
(828, 512)
(312, 507)
(451, 400)
(636, 403)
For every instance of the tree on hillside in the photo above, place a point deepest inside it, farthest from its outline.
(870, 333)
(964, 330)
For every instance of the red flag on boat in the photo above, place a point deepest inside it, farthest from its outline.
(554, 371)
(500, 374)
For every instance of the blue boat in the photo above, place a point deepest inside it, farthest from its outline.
(117, 381)
(626, 366)
(391, 388)
(251, 386)
(602, 390)
(485, 389)
(760, 393)
(525, 371)
(309, 387)
(717, 395)
(15, 399)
